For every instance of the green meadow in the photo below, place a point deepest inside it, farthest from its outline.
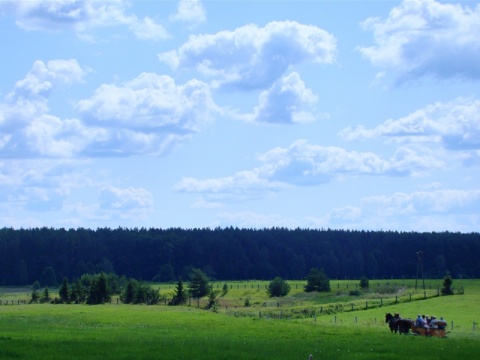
(324, 325)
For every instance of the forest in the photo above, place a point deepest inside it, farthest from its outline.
(48, 254)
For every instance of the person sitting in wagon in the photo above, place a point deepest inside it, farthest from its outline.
(433, 322)
(420, 321)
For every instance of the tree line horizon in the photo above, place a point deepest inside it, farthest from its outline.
(164, 255)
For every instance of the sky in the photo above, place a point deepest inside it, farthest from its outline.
(359, 115)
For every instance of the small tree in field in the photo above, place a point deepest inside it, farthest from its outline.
(364, 283)
(63, 291)
(180, 296)
(447, 285)
(198, 286)
(34, 296)
(278, 287)
(317, 281)
(46, 295)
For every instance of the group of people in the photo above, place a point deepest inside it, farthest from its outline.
(430, 322)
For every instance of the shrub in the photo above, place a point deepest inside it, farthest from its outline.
(278, 287)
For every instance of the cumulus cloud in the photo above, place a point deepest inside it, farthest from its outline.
(251, 57)
(303, 164)
(427, 38)
(287, 101)
(26, 128)
(81, 16)
(190, 11)
(453, 124)
(148, 115)
(38, 185)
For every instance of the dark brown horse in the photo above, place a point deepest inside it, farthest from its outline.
(397, 324)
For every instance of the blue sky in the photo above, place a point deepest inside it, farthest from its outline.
(311, 114)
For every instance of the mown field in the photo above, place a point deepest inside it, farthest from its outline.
(325, 325)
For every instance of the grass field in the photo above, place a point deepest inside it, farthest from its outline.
(111, 331)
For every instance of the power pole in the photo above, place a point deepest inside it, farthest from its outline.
(420, 268)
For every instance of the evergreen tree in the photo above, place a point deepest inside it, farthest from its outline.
(317, 280)
(364, 283)
(180, 296)
(98, 293)
(34, 296)
(78, 292)
(36, 285)
(63, 291)
(198, 286)
(129, 294)
(447, 285)
(278, 287)
(212, 299)
(46, 295)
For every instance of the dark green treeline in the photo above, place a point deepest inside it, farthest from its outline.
(27, 255)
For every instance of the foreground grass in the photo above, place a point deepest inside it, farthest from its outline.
(142, 332)
(45, 331)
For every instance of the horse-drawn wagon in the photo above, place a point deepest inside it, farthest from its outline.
(403, 326)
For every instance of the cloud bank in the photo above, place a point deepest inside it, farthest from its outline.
(427, 38)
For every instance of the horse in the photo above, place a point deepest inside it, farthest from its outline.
(396, 323)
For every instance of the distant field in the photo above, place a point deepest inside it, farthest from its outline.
(111, 331)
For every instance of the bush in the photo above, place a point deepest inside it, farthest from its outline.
(278, 287)
(364, 284)
(317, 281)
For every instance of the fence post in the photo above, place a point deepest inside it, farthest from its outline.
(366, 304)
(381, 302)
(452, 325)
(355, 319)
(474, 326)
(335, 319)
(396, 299)
(424, 294)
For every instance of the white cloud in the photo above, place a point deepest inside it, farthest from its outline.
(287, 101)
(191, 11)
(148, 115)
(251, 57)
(303, 164)
(444, 201)
(38, 185)
(114, 198)
(25, 127)
(81, 16)
(427, 38)
(454, 124)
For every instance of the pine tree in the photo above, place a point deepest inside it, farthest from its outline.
(198, 286)
(180, 295)
(447, 285)
(63, 291)
(46, 295)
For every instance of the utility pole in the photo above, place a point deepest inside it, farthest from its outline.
(420, 268)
